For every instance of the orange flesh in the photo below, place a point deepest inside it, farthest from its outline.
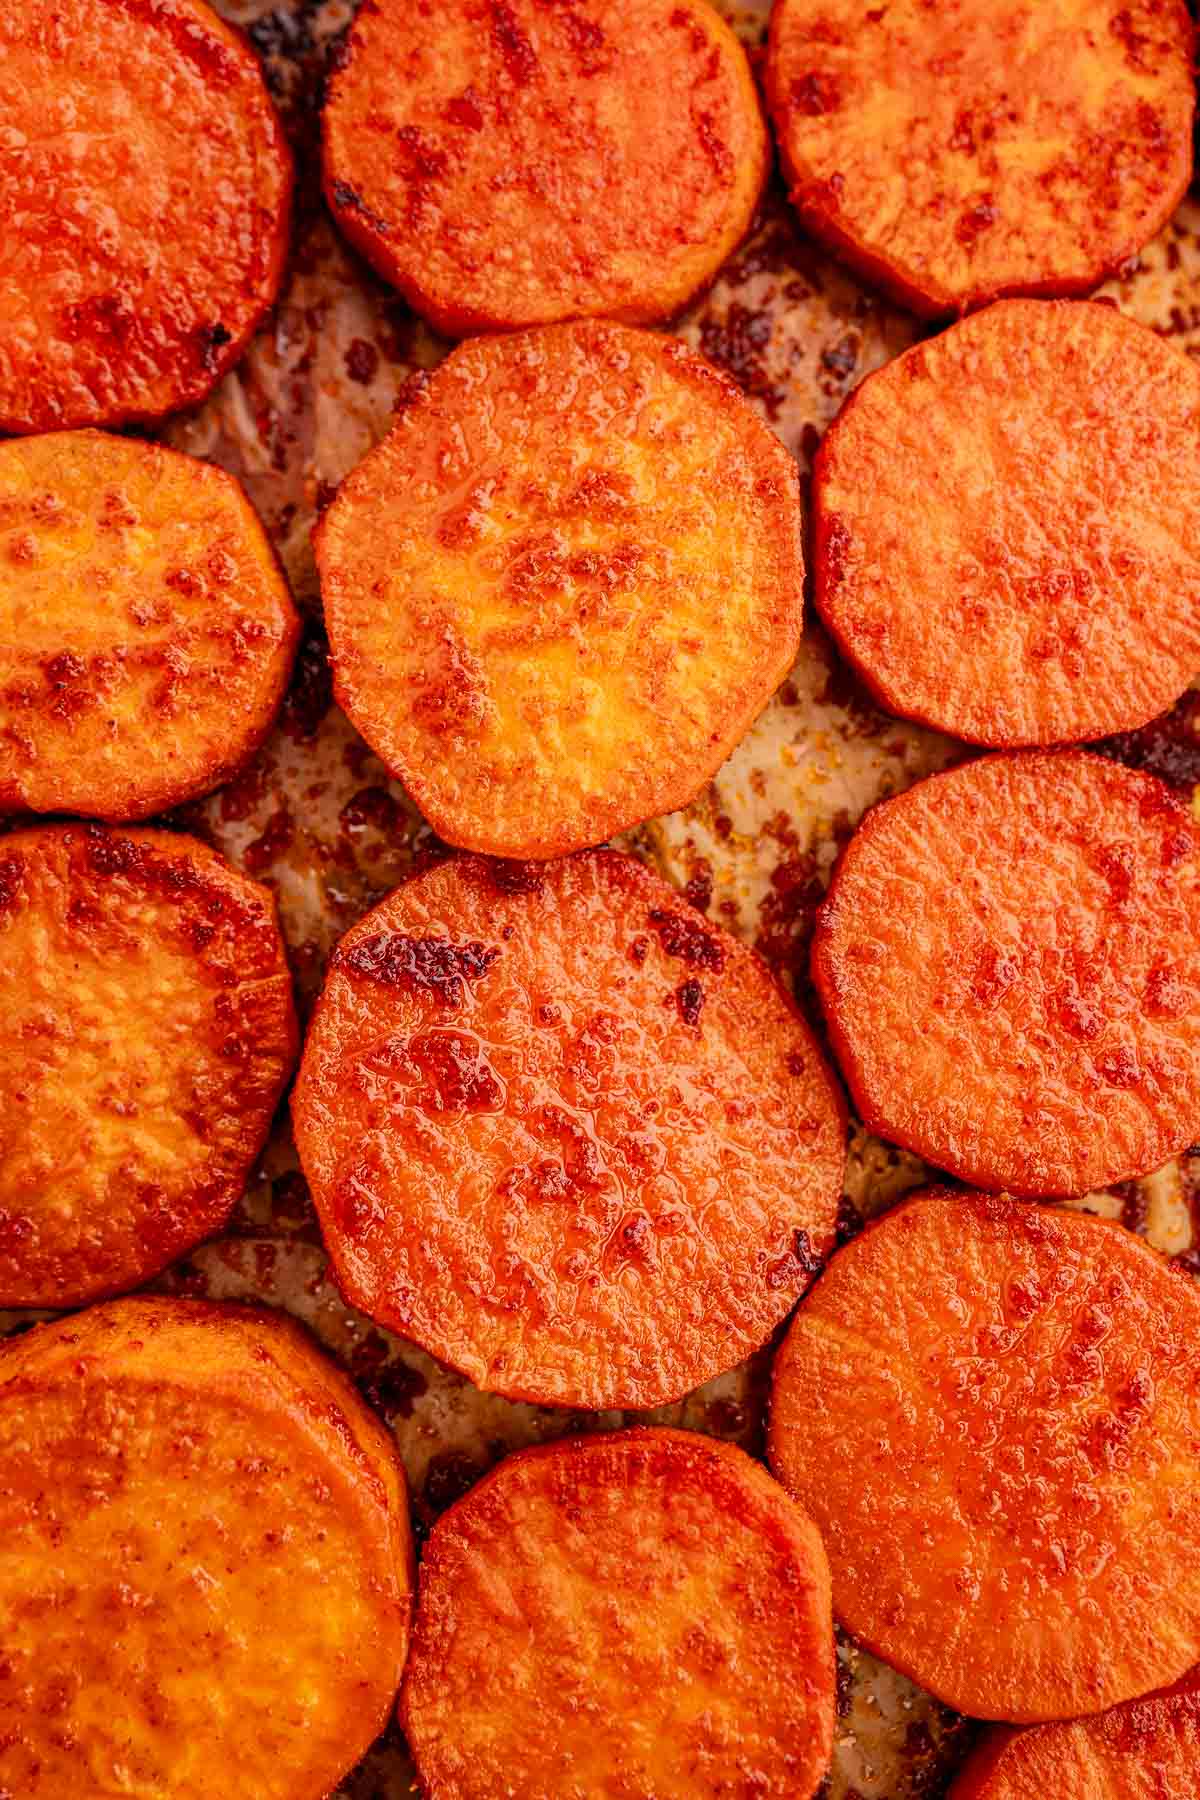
(565, 1134)
(1009, 961)
(992, 1412)
(1006, 523)
(641, 1613)
(509, 163)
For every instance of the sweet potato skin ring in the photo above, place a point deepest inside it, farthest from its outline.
(197, 1511)
(565, 1134)
(507, 163)
(632, 1613)
(145, 199)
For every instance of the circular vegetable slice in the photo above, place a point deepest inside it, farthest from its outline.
(991, 1411)
(636, 1613)
(1009, 962)
(508, 163)
(562, 588)
(198, 1515)
(564, 1133)
(146, 629)
(957, 153)
(146, 1031)
(145, 187)
(1046, 587)
(1145, 1750)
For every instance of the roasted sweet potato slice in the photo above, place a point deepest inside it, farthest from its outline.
(640, 1613)
(955, 153)
(1009, 961)
(563, 586)
(1145, 1750)
(509, 163)
(1007, 525)
(145, 187)
(564, 1133)
(991, 1411)
(146, 1030)
(204, 1558)
(146, 629)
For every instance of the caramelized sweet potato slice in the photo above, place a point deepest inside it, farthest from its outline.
(508, 163)
(1007, 525)
(145, 190)
(1009, 961)
(146, 1031)
(205, 1560)
(563, 586)
(991, 1411)
(955, 153)
(565, 1133)
(146, 629)
(640, 1613)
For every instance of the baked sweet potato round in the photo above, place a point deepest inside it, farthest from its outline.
(146, 629)
(508, 163)
(1007, 526)
(563, 586)
(145, 190)
(565, 1133)
(958, 152)
(146, 1031)
(1145, 1750)
(991, 1411)
(1009, 962)
(638, 1613)
(206, 1574)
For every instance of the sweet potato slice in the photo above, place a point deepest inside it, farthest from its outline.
(1007, 522)
(205, 1558)
(145, 187)
(640, 1613)
(563, 586)
(146, 1030)
(146, 629)
(508, 163)
(991, 1411)
(1145, 1750)
(952, 154)
(1009, 961)
(564, 1133)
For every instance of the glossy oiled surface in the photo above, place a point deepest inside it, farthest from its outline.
(566, 1135)
(146, 630)
(204, 1559)
(958, 152)
(144, 192)
(563, 586)
(1046, 587)
(992, 1412)
(1009, 961)
(508, 163)
(646, 1613)
(146, 1030)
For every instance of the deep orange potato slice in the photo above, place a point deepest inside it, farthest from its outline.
(639, 1613)
(1009, 961)
(205, 1560)
(564, 1133)
(146, 629)
(957, 152)
(564, 585)
(1007, 522)
(992, 1412)
(509, 162)
(146, 1031)
(145, 191)
(1145, 1750)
